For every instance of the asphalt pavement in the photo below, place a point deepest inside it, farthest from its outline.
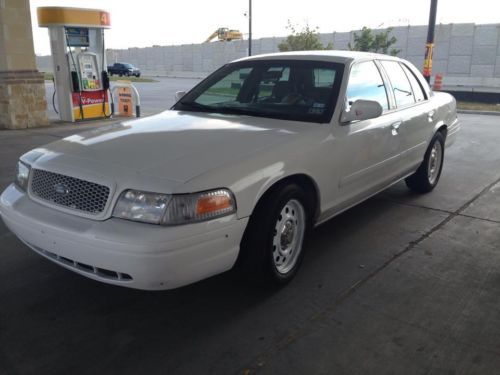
(401, 284)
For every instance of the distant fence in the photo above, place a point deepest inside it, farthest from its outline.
(465, 54)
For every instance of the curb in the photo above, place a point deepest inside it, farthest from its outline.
(474, 112)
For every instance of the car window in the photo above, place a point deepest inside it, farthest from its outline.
(293, 90)
(270, 78)
(415, 85)
(225, 90)
(403, 93)
(365, 82)
(324, 77)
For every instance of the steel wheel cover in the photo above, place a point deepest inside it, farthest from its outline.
(288, 236)
(435, 160)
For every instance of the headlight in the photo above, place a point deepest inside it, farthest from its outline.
(174, 209)
(141, 206)
(188, 208)
(22, 175)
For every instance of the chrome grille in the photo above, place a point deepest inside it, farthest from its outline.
(69, 192)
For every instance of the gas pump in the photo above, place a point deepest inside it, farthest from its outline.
(79, 58)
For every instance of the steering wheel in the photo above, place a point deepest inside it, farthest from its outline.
(293, 98)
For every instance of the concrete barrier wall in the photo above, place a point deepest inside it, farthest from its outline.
(466, 54)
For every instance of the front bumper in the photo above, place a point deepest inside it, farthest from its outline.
(122, 252)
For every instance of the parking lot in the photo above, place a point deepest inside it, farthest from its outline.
(402, 284)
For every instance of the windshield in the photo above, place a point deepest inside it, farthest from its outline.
(129, 66)
(292, 90)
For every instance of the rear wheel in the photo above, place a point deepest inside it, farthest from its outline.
(273, 244)
(428, 173)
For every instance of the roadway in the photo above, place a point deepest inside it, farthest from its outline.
(401, 284)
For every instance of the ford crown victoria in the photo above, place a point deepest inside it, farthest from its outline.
(235, 174)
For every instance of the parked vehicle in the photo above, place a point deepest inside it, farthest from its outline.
(236, 173)
(124, 69)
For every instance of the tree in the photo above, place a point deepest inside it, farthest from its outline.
(306, 39)
(380, 42)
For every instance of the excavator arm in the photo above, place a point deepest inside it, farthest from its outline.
(212, 36)
(225, 35)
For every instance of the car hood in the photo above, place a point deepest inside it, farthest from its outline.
(173, 145)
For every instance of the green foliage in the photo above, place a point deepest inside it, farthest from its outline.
(306, 39)
(370, 42)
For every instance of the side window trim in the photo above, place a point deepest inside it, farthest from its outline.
(388, 86)
(423, 83)
(409, 71)
(345, 105)
(396, 108)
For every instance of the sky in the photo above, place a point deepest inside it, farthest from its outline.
(142, 23)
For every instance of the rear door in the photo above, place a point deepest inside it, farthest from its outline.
(415, 110)
(370, 148)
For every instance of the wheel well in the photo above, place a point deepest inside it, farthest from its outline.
(305, 182)
(444, 130)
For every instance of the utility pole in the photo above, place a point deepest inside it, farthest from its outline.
(429, 48)
(249, 27)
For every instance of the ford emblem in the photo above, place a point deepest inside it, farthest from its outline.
(61, 189)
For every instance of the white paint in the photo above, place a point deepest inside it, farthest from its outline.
(182, 152)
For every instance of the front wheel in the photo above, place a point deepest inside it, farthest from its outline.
(428, 173)
(273, 244)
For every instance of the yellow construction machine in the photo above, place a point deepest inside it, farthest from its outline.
(223, 34)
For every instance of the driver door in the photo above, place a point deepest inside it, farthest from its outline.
(370, 149)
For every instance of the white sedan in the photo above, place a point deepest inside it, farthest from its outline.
(235, 174)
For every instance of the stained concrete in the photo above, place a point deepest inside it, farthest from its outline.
(401, 284)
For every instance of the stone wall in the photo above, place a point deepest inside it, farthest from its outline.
(466, 54)
(22, 100)
(22, 89)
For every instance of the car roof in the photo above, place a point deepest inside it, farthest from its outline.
(325, 55)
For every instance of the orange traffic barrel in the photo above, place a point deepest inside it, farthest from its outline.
(438, 82)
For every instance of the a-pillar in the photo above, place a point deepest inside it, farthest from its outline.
(22, 89)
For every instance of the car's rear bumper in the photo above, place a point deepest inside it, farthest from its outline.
(122, 252)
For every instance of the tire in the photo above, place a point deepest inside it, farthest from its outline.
(272, 247)
(138, 75)
(426, 178)
(119, 74)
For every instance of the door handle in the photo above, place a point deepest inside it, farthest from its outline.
(431, 115)
(395, 127)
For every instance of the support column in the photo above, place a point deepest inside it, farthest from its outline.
(22, 87)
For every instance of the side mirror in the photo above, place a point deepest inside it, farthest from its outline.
(178, 95)
(362, 110)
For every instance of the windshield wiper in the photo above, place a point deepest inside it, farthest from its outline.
(194, 105)
(218, 109)
(237, 110)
